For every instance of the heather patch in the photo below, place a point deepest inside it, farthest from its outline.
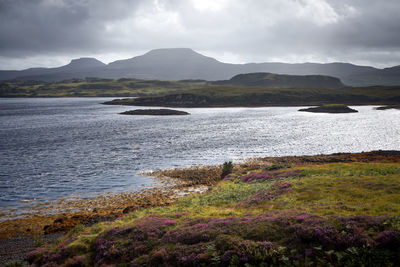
(273, 192)
(274, 173)
(269, 239)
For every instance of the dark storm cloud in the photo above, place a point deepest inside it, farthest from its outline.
(359, 31)
(40, 26)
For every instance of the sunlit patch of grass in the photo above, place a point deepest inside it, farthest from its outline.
(347, 189)
(351, 169)
(218, 202)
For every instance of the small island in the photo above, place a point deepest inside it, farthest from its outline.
(158, 112)
(331, 108)
(388, 107)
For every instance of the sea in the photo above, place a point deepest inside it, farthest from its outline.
(51, 148)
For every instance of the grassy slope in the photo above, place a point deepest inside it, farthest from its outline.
(344, 214)
(93, 87)
(198, 93)
(258, 96)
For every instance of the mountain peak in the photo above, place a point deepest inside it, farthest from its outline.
(175, 53)
(173, 60)
(84, 62)
(161, 51)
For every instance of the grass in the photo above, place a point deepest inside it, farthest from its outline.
(348, 189)
(340, 214)
(94, 87)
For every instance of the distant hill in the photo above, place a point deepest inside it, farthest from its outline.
(77, 69)
(244, 96)
(184, 63)
(94, 87)
(140, 87)
(272, 80)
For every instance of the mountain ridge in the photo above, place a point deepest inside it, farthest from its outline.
(185, 63)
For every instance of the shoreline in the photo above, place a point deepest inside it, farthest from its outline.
(201, 106)
(67, 212)
(64, 214)
(17, 239)
(373, 104)
(172, 184)
(20, 236)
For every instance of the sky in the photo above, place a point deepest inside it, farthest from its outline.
(49, 33)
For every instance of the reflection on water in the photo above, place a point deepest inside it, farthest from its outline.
(53, 147)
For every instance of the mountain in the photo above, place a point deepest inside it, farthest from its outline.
(271, 80)
(173, 64)
(184, 63)
(82, 64)
(387, 76)
(77, 68)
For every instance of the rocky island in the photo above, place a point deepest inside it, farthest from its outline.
(388, 107)
(157, 112)
(331, 108)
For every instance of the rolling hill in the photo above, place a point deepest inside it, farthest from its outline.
(240, 96)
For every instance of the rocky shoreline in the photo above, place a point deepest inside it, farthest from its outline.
(20, 235)
(24, 234)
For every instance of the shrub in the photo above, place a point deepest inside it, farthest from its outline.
(226, 169)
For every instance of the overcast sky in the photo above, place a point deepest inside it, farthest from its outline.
(51, 32)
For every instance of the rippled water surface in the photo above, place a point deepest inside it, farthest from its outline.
(51, 148)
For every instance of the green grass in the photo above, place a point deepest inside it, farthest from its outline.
(93, 87)
(347, 189)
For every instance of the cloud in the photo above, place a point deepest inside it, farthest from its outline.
(359, 31)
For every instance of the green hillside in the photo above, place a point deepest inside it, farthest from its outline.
(272, 80)
(224, 96)
(91, 87)
(136, 87)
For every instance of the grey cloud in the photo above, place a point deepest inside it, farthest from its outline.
(359, 31)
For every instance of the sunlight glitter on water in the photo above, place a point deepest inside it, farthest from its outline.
(51, 148)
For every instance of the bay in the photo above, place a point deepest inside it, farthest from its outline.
(53, 147)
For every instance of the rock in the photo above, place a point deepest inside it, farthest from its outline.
(59, 220)
(388, 107)
(128, 209)
(332, 108)
(157, 112)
